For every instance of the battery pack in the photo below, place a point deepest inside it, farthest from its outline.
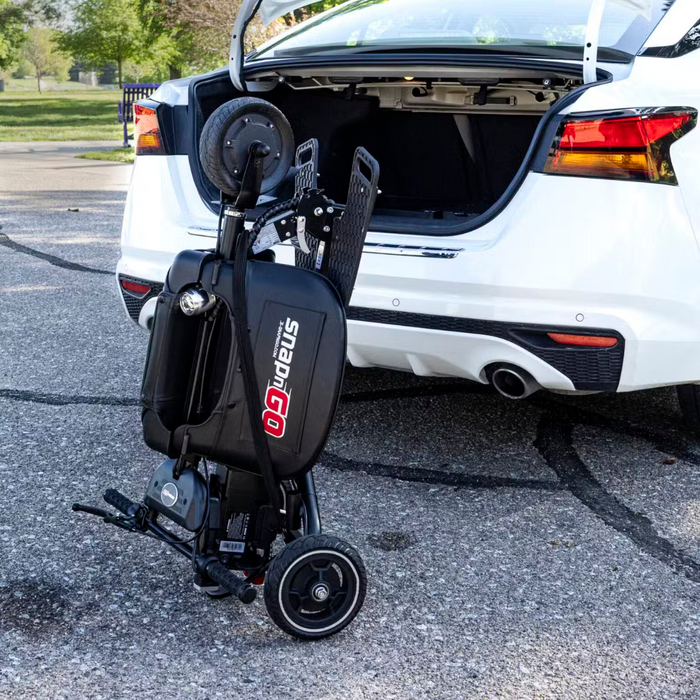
(182, 499)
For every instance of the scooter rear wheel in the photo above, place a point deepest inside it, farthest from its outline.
(315, 587)
(228, 134)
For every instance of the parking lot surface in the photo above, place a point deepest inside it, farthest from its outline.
(542, 549)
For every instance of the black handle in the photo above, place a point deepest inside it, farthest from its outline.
(120, 502)
(78, 508)
(232, 583)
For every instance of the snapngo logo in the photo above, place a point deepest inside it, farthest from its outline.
(278, 396)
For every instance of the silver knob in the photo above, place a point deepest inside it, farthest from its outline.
(196, 301)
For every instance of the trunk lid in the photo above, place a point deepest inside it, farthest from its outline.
(270, 10)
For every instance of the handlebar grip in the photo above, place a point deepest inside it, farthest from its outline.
(232, 583)
(120, 502)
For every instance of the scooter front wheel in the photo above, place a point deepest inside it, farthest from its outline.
(315, 587)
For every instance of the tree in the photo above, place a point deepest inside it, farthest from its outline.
(197, 35)
(210, 23)
(12, 17)
(170, 43)
(104, 31)
(40, 51)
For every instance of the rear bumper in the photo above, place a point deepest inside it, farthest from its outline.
(407, 342)
(587, 368)
(448, 346)
(567, 253)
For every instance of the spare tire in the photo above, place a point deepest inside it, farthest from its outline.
(226, 140)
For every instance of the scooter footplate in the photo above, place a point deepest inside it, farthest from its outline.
(306, 164)
(306, 179)
(350, 229)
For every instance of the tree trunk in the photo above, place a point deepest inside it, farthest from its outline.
(175, 72)
(38, 80)
(119, 72)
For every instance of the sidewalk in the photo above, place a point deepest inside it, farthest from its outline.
(45, 167)
(16, 147)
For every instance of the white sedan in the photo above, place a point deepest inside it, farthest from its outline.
(539, 218)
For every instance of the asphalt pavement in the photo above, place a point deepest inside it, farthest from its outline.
(540, 549)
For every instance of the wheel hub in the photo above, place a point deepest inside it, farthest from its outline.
(320, 592)
(245, 131)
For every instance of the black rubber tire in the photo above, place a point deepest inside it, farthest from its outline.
(292, 560)
(689, 402)
(212, 144)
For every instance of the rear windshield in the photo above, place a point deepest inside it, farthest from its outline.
(547, 27)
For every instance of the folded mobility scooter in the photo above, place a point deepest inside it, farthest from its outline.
(243, 377)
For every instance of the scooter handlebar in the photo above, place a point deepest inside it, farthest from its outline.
(122, 503)
(233, 584)
(214, 569)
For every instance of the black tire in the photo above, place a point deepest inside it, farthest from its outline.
(689, 401)
(322, 573)
(228, 125)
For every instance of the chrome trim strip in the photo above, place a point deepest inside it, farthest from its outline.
(205, 231)
(414, 251)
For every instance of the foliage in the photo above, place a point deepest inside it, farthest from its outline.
(103, 31)
(170, 46)
(60, 66)
(150, 40)
(22, 69)
(12, 17)
(145, 71)
(15, 17)
(196, 36)
(40, 51)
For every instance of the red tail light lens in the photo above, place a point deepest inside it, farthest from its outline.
(147, 136)
(635, 147)
(136, 288)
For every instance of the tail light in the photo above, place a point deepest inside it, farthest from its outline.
(635, 146)
(147, 136)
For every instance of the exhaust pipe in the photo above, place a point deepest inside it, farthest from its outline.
(514, 383)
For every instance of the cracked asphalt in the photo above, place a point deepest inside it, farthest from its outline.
(543, 549)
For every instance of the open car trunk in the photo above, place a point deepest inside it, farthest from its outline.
(434, 165)
(451, 143)
(448, 151)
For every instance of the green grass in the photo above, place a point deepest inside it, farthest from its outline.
(118, 155)
(50, 83)
(60, 116)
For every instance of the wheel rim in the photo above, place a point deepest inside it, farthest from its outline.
(319, 591)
